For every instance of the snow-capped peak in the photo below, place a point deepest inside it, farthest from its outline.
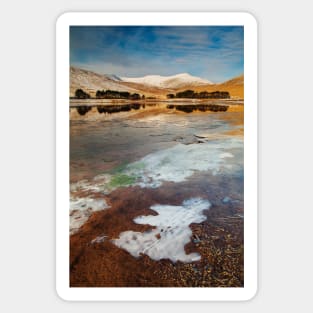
(174, 81)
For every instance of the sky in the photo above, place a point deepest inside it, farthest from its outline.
(215, 53)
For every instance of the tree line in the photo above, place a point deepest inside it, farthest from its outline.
(114, 94)
(200, 95)
(109, 94)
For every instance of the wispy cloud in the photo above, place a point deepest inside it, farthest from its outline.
(215, 53)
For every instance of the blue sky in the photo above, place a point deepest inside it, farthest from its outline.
(211, 52)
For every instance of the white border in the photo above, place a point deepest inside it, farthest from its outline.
(250, 157)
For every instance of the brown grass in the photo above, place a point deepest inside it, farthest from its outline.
(234, 86)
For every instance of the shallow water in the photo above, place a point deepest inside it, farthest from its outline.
(104, 141)
(153, 147)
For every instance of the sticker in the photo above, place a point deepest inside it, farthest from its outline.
(156, 156)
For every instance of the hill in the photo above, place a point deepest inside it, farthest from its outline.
(91, 82)
(150, 85)
(234, 86)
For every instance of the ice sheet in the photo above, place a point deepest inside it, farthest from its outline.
(172, 232)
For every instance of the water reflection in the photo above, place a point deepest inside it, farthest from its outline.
(188, 108)
(118, 108)
(102, 141)
(82, 108)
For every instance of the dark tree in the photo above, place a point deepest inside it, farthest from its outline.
(81, 94)
(185, 94)
(203, 94)
(135, 96)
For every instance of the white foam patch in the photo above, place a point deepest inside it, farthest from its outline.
(172, 232)
(81, 209)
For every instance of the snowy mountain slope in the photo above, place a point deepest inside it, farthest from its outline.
(173, 82)
(90, 82)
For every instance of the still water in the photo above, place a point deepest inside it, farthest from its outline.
(153, 147)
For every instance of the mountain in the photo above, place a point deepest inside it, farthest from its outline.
(113, 77)
(173, 82)
(91, 82)
(151, 85)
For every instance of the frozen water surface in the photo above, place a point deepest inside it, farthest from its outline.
(177, 163)
(172, 232)
(174, 164)
(81, 209)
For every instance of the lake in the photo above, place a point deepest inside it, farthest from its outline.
(156, 194)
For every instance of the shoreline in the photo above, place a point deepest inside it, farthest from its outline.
(94, 101)
(186, 105)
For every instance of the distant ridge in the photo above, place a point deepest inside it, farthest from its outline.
(151, 85)
(234, 86)
(91, 82)
(174, 81)
(113, 77)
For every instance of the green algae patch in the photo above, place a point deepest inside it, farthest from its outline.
(120, 180)
(119, 169)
